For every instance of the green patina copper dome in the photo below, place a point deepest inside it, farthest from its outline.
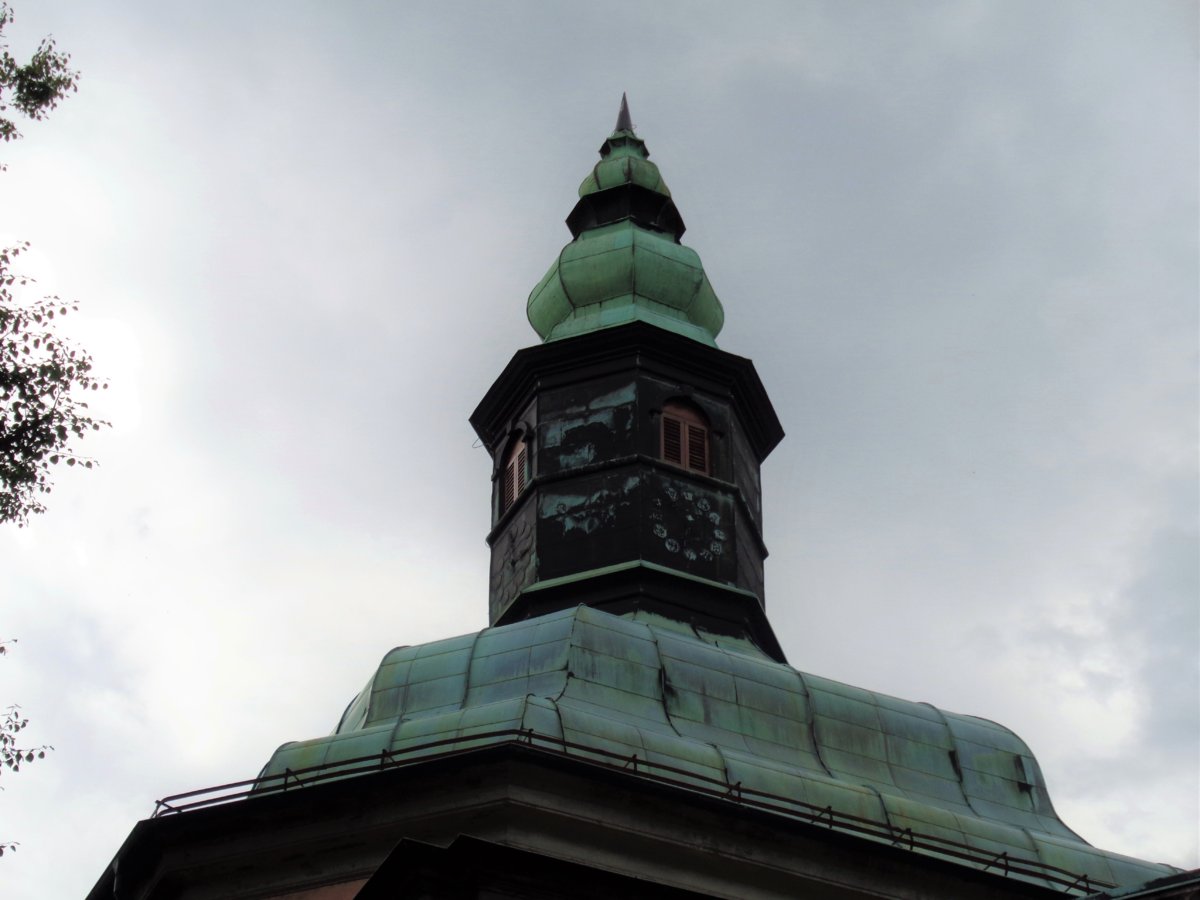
(624, 159)
(625, 263)
(715, 714)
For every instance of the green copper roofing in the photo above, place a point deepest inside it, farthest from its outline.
(720, 709)
(626, 263)
(624, 159)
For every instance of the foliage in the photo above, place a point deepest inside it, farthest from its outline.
(12, 756)
(34, 88)
(42, 380)
(42, 376)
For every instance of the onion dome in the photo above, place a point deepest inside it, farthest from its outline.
(625, 262)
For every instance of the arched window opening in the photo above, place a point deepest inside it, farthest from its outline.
(685, 437)
(515, 477)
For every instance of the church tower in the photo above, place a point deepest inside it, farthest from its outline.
(627, 725)
(626, 447)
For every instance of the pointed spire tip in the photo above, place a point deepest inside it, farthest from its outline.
(624, 122)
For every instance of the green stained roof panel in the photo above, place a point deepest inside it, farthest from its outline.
(401, 655)
(919, 756)
(836, 688)
(671, 695)
(916, 811)
(385, 704)
(445, 646)
(490, 716)
(634, 677)
(582, 724)
(498, 641)
(929, 789)
(607, 701)
(995, 837)
(801, 755)
(851, 738)
(787, 731)
(393, 673)
(1023, 816)
(839, 709)
(541, 716)
(910, 727)
(618, 639)
(845, 796)
(502, 666)
(857, 767)
(435, 693)
(695, 678)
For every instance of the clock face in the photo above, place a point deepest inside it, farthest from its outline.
(691, 525)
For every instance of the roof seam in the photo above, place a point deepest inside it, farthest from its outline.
(887, 817)
(562, 283)
(1037, 848)
(810, 719)
(571, 645)
(667, 710)
(470, 665)
(887, 753)
(663, 684)
(962, 786)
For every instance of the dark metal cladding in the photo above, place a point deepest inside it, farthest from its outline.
(643, 207)
(605, 520)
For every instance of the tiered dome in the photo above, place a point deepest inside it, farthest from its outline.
(625, 263)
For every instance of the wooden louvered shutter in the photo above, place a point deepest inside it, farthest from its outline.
(515, 477)
(508, 488)
(685, 437)
(697, 443)
(672, 440)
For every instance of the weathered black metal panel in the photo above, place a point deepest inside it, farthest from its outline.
(588, 522)
(749, 557)
(599, 494)
(584, 424)
(746, 471)
(514, 557)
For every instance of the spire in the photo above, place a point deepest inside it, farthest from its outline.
(624, 123)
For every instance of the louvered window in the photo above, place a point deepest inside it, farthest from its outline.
(672, 440)
(515, 477)
(685, 437)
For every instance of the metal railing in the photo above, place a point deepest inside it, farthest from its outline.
(662, 773)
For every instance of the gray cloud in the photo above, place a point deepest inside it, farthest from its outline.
(958, 239)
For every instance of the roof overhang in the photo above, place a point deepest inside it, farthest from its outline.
(613, 818)
(616, 349)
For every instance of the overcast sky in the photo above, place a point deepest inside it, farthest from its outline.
(958, 239)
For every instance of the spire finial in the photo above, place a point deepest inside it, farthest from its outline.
(624, 123)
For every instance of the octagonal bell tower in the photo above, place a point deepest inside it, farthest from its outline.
(626, 447)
